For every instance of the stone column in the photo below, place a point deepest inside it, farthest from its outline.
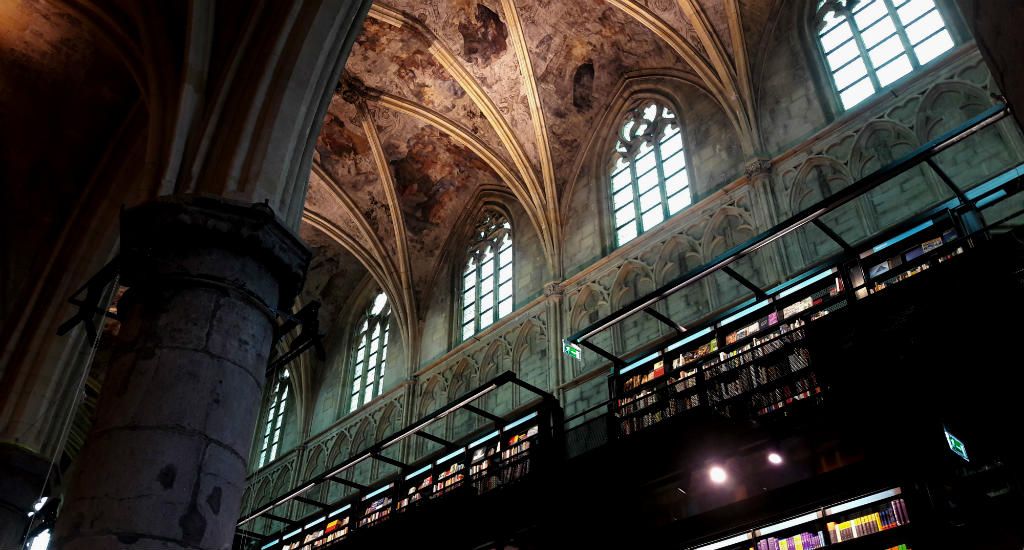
(21, 480)
(165, 463)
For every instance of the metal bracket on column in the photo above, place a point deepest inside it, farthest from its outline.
(311, 502)
(601, 351)
(309, 336)
(480, 412)
(89, 305)
(440, 441)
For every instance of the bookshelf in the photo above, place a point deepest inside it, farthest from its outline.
(753, 362)
(498, 458)
(877, 521)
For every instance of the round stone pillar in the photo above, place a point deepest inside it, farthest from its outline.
(165, 463)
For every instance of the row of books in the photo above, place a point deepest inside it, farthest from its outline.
(782, 396)
(802, 541)
(756, 376)
(892, 514)
(376, 512)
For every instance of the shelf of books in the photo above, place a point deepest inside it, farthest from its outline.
(906, 255)
(753, 362)
(878, 521)
(496, 459)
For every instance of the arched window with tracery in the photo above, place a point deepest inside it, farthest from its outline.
(869, 44)
(371, 352)
(487, 277)
(649, 180)
(274, 424)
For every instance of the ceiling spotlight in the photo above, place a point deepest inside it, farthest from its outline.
(717, 474)
(775, 458)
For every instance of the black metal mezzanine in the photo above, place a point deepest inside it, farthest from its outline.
(812, 215)
(376, 452)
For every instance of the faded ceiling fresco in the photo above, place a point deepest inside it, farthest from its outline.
(441, 97)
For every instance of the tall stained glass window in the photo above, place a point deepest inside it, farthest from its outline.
(274, 419)
(649, 179)
(487, 277)
(869, 44)
(371, 352)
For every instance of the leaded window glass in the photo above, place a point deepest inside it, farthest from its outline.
(869, 44)
(274, 419)
(649, 180)
(371, 352)
(487, 277)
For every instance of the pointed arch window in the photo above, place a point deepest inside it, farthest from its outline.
(649, 179)
(274, 424)
(487, 277)
(371, 352)
(869, 44)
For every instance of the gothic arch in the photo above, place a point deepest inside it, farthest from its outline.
(879, 144)
(818, 178)
(529, 354)
(678, 255)
(729, 227)
(946, 106)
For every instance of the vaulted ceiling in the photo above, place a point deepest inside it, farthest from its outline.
(441, 99)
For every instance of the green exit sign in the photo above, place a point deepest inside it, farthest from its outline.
(572, 350)
(957, 446)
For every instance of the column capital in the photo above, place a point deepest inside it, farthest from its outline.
(167, 236)
(553, 288)
(758, 167)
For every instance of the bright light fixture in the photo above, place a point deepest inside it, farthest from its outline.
(775, 458)
(717, 474)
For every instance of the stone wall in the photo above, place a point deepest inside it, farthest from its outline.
(729, 210)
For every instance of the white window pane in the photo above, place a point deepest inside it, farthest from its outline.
(857, 93)
(622, 198)
(850, 74)
(843, 54)
(624, 215)
(647, 161)
(869, 12)
(652, 218)
(273, 452)
(620, 180)
(841, 33)
(878, 32)
(678, 202)
(487, 270)
(368, 395)
(914, 9)
(649, 199)
(505, 273)
(469, 281)
(486, 301)
(650, 112)
(373, 345)
(355, 402)
(486, 286)
(486, 318)
(674, 164)
(505, 291)
(505, 256)
(676, 182)
(924, 27)
(671, 144)
(372, 360)
(894, 70)
(933, 47)
(467, 331)
(504, 307)
(887, 50)
(647, 181)
(626, 234)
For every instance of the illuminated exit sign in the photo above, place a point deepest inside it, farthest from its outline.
(572, 350)
(957, 446)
